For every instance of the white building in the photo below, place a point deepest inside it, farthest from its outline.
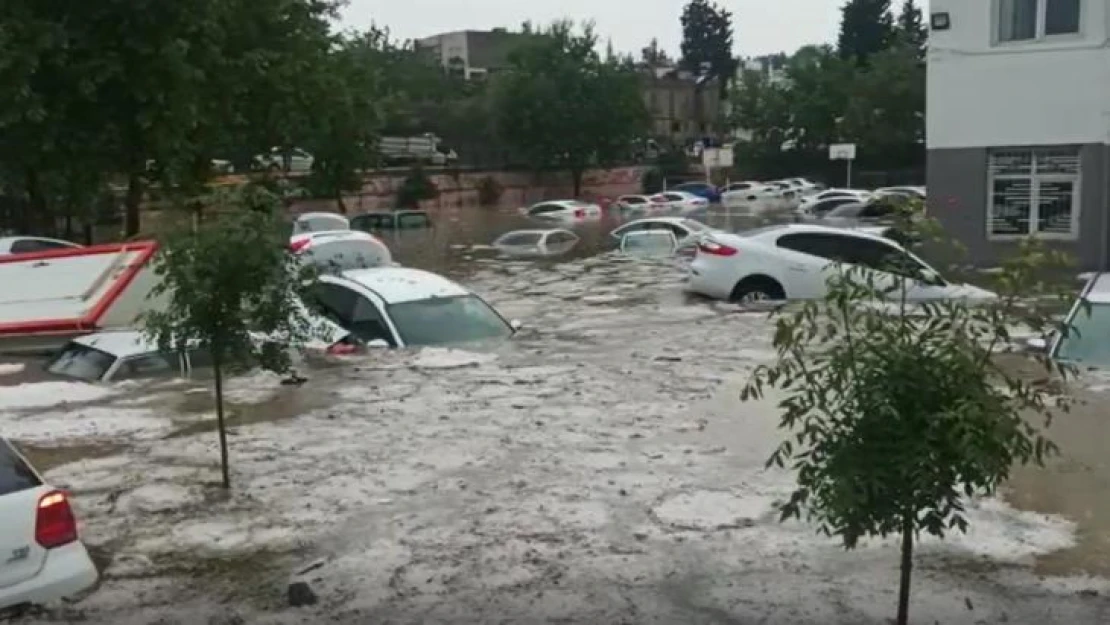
(1018, 123)
(473, 54)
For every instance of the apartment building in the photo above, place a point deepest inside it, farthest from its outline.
(472, 54)
(1018, 124)
(683, 108)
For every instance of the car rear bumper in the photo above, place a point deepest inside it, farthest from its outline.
(67, 572)
(709, 280)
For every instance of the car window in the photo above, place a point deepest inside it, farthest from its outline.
(674, 197)
(560, 238)
(743, 186)
(81, 362)
(26, 246)
(413, 220)
(632, 199)
(824, 206)
(320, 224)
(15, 475)
(877, 209)
(519, 238)
(335, 302)
(649, 243)
(148, 366)
(542, 209)
(852, 209)
(1088, 342)
(367, 222)
(447, 320)
(829, 247)
(882, 257)
(367, 322)
(678, 231)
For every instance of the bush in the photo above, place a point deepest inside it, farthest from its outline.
(652, 182)
(415, 188)
(489, 191)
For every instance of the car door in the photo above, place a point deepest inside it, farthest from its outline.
(891, 265)
(354, 311)
(809, 260)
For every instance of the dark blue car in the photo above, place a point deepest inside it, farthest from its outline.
(700, 189)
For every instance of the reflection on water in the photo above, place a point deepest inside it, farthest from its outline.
(463, 235)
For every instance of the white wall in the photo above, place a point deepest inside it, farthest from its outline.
(449, 45)
(981, 93)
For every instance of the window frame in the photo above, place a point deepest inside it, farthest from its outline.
(1035, 180)
(1039, 34)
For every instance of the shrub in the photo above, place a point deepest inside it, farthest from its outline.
(489, 191)
(415, 188)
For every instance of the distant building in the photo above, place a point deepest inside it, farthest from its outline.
(1018, 125)
(473, 54)
(684, 108)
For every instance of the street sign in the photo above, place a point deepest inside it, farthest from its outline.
(842, 152)
(716, 158)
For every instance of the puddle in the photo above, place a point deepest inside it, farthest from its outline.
(287, 403)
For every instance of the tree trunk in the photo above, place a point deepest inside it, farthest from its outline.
(576, 176)
(339, 203)
(224, 468)
(133, 201)
(907, 569)
(38, 221)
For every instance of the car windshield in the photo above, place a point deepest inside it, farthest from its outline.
(81, 362)
(1088, 342)
(446, 320)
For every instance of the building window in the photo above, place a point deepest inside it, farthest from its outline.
(1026, 20)
(1034, 192)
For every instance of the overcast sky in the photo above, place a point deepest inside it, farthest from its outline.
(761, 26)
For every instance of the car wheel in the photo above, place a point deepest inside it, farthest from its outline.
(757, 289)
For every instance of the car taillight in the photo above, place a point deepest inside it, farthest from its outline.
(716, 249)
(342, 349)
(297, 246)
(54, 522)
(579, 213)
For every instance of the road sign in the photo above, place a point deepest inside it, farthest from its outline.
(716, 158)
(842, 152)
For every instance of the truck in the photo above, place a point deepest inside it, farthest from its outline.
(418, 149)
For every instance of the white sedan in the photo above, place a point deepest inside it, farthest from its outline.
(29, 245)
(320, 222)
(341, 249)
(854, 195)
(539, 242)
(402, 307)
(686, 231)
(753, 196)
(637, 204)
(564, 210)
(794, 261)
(42, 559)
(680, 201)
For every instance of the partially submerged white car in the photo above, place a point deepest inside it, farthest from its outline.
(42, 559)
(565, 211)
(536, 242)
(795, 261)
(341, 249)
(1087, 343)
(403, 307)
(30, 245)
(320, 222)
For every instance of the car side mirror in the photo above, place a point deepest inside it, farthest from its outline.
(516, 325)
(377, 343)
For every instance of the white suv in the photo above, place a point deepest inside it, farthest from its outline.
(41, 558)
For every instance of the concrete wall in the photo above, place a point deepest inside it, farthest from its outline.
(379, 191)
(1052, 91)
(959, 196)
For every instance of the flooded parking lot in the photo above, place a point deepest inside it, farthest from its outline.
(598, 468)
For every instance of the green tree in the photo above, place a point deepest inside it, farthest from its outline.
(232, 289)
(911, 27)
(885, 115)
(559, 106)
(707, 41)
(898, 413)
(866, 28)
(654, 56)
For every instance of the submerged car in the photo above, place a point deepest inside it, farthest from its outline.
(403, 307)
(391, 220)
(795, 261)
(1087, 342)
(319, 222)
(648, 243)
(341, 249)
(538, 242)
(564, 210)
(30, 245)
(43, 559)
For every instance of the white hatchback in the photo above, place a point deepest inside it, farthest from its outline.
(680, 201)
(42, 558)
(795, 261)
(564, 210)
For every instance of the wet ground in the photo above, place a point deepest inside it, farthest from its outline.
(599, 468)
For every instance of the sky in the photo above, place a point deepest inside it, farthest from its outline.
(759, 26)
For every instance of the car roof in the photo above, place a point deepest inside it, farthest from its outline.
(661, 219)
(397, 285)
(333, 234)
(119, 343)
(320, 215)
(6, 242)
(782, 229)
(1098, 290)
